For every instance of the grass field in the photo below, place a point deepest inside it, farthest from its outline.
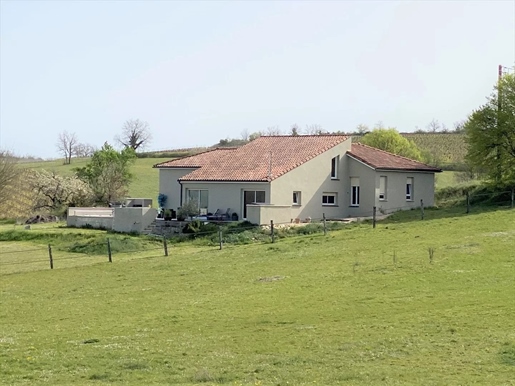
(144, 185)
(360, 306)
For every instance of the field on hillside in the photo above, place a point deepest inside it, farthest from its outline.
(144, 185)
(360, 306)
(447, 149)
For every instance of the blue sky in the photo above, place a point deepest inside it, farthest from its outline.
(198, 72)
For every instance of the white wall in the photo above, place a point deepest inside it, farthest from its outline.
(312, 179)
(168, 185)
(423, 188)
(262, 214)
(224, 195)
(133, 219)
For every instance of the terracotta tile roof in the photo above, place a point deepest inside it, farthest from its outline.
(197, 160)
(380, 159)
(264, 159)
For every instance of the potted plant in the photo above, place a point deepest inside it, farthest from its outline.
(168, 214)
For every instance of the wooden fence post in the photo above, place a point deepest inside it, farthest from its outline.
(50, 256)
(220, 238)
(374, 210)
(165, 245)
(512, 198)
(272, 230)
(422, 209)
(325, 224)
(109, 251)
(468, 202)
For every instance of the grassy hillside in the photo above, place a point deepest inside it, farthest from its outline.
(303, 311)
(144, 185)
(446, 148)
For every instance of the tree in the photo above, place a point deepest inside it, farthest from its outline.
(433, 126)
(135, 134)
(294, 130)
(362, 129)
(56, 193)
(315, 129)
(66, 145)
(84, 150)
(9, 172)
(391, 141)
(273, 130)
(490, 134)
(108, 173)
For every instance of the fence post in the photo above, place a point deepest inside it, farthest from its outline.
(109, 250)
(165, 245)
(512, 198)
(468, 202)
(50, 256)
(272, 230)
(220, 240)
(422, 209)
(325, 224)
(374, 217)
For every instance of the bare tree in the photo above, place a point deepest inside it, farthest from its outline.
(273, 130)
(66, 145)
(84, 150)
(245, 135)
(135, 134)
(433, 126)
(362, 129)
(315, 129)
(9, 171)
(459, 126)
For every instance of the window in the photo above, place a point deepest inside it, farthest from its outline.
(409, 189)
(334, 167)
(382, 188)
(329, 199)
(200, 197)
(296, 198)
(354, 191)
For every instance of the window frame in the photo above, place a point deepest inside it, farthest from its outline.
(410, 181)
(385, 188)
(355, 191)
(198, 199)
(334, 167)
(297, 198)
(329, 196)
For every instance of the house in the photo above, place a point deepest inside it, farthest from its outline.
(282, 178)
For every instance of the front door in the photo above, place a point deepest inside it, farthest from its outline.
(252, 197)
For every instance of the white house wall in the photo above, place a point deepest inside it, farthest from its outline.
(168, 185)
(312, 179)
(227, 195)
(423, 188)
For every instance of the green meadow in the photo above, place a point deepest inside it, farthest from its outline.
(359, 306)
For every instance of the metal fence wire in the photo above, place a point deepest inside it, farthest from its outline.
(223, 235)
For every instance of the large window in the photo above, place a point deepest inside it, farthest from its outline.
(329, 199)
(382, 188)
(296, 198)
(409, 189)
(252, 197)
(354, 191)
(200, 197)
(334, 167)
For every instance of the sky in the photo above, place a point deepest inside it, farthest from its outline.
(199, 72)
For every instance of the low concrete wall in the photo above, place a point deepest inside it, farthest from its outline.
(118, 219)
(262, 214)
(133, 219)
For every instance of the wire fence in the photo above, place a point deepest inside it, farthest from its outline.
(221, 235)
